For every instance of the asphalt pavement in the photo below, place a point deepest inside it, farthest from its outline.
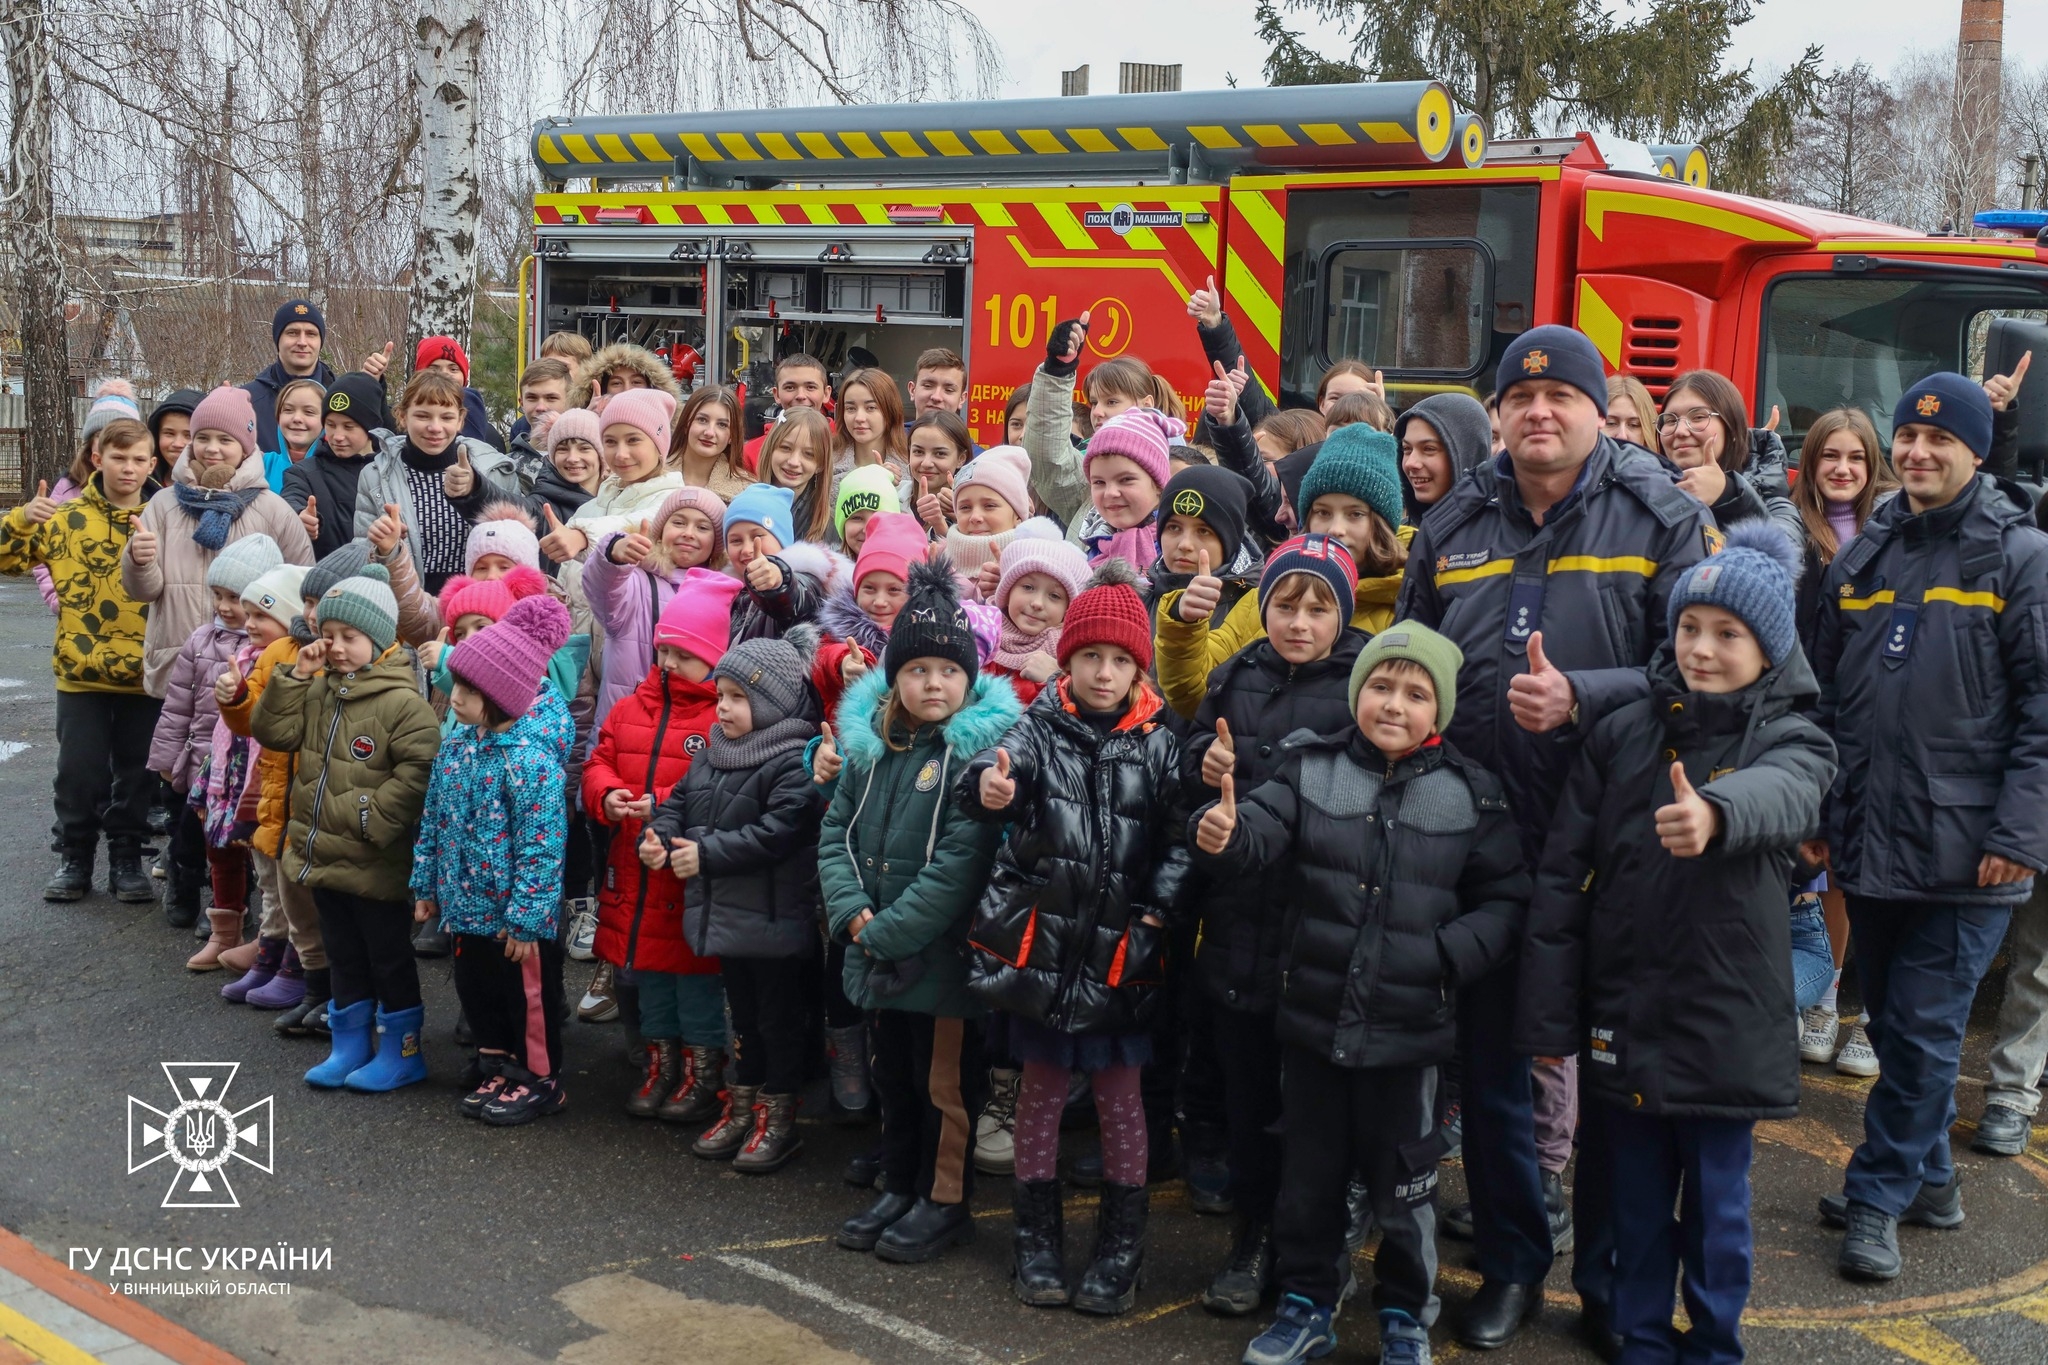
(596, 1239)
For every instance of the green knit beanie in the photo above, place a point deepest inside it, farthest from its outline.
(366, 603)
(1360, 461)
(1418, 645)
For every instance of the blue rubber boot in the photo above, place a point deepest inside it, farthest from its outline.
(349, 1027)
(399, 1060)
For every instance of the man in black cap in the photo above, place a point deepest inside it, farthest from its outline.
(1550, 568)
(298, 330)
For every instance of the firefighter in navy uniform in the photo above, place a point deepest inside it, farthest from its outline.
(1550, 569)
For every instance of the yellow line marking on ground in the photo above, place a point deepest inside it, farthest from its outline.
(1810, 1136)
(40, 1341)
(1917, 1341)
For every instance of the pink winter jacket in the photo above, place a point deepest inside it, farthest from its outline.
(184, 728)
(174, 584)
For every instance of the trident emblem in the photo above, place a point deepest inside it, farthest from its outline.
(200, 1135)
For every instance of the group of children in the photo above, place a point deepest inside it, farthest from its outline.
(1020, 749)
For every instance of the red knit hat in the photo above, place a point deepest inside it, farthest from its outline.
(1109, 612)
(432, 349)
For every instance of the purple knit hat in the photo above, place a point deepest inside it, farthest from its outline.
(507, 661)
(1139, 434)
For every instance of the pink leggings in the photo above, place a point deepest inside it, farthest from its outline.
(1118, 1110)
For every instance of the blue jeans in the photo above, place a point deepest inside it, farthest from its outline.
(1919, 963)
(1813, 960)
(1703, 1166)
(689, 1007)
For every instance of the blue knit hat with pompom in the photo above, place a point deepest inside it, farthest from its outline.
(1753, 577)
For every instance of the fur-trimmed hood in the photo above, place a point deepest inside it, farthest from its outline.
(992, 708)
(828, 566)
(840, 616)
(611, 357)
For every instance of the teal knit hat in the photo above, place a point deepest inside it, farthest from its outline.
(1360, 461)
(366, 603)
(1418, 645)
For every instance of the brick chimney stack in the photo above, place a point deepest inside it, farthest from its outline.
(1980, 53)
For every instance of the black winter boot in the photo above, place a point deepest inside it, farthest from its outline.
(297, 1022)
(1240, 1286)
(126, 879)
(661, 1068)
(1110, 1284)
(72, 881)
(1039, 1270)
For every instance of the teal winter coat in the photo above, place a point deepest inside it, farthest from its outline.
(894, 843)
(492, 836)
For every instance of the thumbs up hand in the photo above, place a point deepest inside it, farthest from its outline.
(1201, 597)
(989, 576)
(763, 575)
(1220, 399)
(142, 546)
(930, 510)
(633, 547)
(1540, 699)
(1690, 822)
(227, 686)
(652, 854)
(386, 531)
(39, 508)
(309, 517)
(2001, 389)
(825, 759)
(1220, 761)
(1205, 305)
(459, 480)
(1219, 822)
(998, 788)
(853, 666)
(561, 543)
(376, 362)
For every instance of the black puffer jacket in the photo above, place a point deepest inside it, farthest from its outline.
(331, 482)
(1264, 699)
(1674, 974)
(1094, 845)
(1404, 883)
(757, 831)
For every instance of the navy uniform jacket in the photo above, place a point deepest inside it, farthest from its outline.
(1594, 578)
(1932, 654)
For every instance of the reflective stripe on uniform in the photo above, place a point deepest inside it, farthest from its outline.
(1956, 596)
(1631, 564)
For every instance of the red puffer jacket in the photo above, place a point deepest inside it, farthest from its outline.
(648, 742)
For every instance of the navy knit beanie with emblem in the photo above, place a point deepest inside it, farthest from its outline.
(1752, 577)
(932, 624)
(1213, 495)
(1952, 402)
(1358, 460)
(1552, 351)
(296, 310)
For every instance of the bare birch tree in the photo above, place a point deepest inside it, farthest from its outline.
(31, 221)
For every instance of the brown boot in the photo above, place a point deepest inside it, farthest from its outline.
(695, 1097)
(241, 957)
(725, 1137)
(661, 1066)
(227, 932)
(774, 1139)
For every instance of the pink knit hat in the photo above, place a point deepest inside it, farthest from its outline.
(507, 661)
(698, 619)
(462, 596)
(1138, 434)
(228, 409)
(577, 423)
(1039, 548)
(651, 410)
(1004, 471)
(896, 540)
(698, 499)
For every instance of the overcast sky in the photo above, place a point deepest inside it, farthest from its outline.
(1215, 38)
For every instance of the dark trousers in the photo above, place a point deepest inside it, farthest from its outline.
(1510, 1228)
(188, 839)
(1249, 1057)
(1379, 1123)
(1593, 1200)
(766, 998)
(840, 1012)
(931, 1081)
(1702, 1165)
(1919, 963)
(512, 1007)
(103, 783)
(576, 864)
(369, 950)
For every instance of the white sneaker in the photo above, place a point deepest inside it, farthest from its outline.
(995, 1135)
(580, 915)
(1857, 1057)
(1818, 1026)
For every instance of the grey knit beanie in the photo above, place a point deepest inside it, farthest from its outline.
(775, 674)
(345, 562)
(242, 562)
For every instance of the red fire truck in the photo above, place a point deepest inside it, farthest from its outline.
(1372, 221)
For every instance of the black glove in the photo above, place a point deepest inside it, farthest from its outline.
(1067, 336)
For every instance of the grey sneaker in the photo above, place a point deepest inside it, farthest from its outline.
(1857, 1057)
(2002, 1131)
(1817, 1029)
(580, 915)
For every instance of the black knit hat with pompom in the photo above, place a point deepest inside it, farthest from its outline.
(932, 623)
